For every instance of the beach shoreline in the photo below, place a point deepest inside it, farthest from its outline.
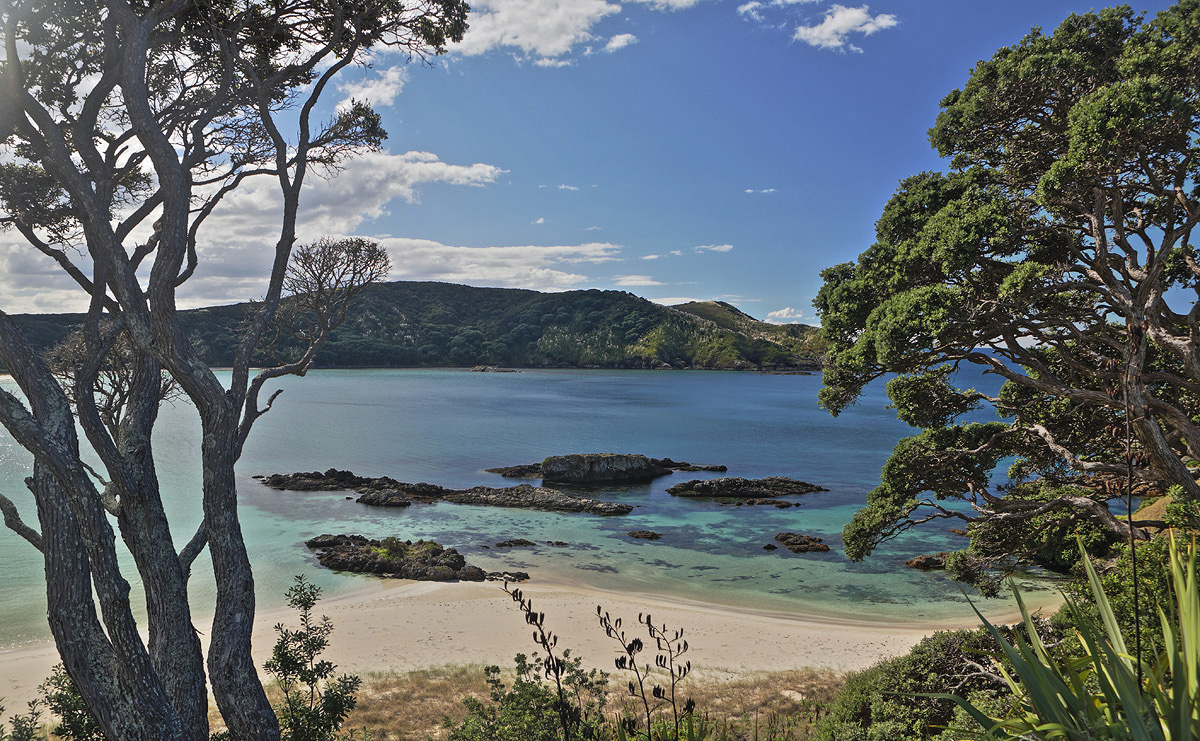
(399, 625)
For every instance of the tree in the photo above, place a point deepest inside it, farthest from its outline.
(126, 124)
(1055, 254)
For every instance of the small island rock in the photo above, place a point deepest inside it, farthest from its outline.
(599, 468)
(798, 543)
(738, 487)
(928, 562)
(423, 560)
(644, 534)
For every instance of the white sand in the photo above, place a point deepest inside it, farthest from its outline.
(402, 625)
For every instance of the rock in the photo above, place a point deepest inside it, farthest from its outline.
(598, 468)
(515, 543)
(770, 547)
(797, 543)
(685, 466)
(535, 497)
(738, 487)
(961, 532)
(523, 471)
(423, 560)
(493, 369)
(385, 498)
(508, 576)
(388, 492)
(557, 543)
(644, 534)
(928, 562)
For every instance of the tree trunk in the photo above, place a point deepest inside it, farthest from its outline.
(235, 682)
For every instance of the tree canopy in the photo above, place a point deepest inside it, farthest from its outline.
(125, 125)
(1055, 253)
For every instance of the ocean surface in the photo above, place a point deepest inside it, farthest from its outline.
(446, 426)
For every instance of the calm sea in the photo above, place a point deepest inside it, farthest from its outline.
(446, 426)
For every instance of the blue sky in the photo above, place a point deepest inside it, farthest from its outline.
(679, 149)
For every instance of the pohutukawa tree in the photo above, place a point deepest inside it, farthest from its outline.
(1056, 254)
(126, 123)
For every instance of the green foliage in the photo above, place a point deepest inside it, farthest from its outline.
(315, 701)
(1106, 693)
(529, 709)
(892, 700)
(438, 324)
(1181, 514)
(24, 727)
(1116, 580)
(76, 722)
(1072, 155)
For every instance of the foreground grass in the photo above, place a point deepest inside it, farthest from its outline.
(779, 706)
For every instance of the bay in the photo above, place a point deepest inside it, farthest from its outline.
(446, 426)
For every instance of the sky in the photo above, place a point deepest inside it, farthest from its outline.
(677, 149)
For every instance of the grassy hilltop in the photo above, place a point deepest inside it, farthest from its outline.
(405, 324)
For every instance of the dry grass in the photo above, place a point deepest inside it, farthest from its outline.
(768, 705)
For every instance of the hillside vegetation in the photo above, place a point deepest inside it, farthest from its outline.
(406, 324)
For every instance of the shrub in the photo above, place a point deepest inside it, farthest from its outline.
(315, 702)
(1107, 693)
(529, 710)
(891, 700)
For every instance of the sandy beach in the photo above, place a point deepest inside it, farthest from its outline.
(403, 625)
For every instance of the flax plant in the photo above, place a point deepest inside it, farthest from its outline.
(1098, 695)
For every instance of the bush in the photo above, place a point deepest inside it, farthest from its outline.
(315, 702)
(890, 701)
(24, 727)
(529, 709)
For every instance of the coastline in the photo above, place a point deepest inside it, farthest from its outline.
(398, 625)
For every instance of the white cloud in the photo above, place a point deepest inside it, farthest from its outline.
(651, 257)
(669, 4)
(713, 248)
(763, 190)
(636, 280)
(542, 268)
(620, 41)
(676, 253)
(540, 220)
(751, 10)
(674, 300)
(594, 229)
(841, 21)
(381, 90)
(567, 187)
(547, 29)
(553, 63)
(786, 315)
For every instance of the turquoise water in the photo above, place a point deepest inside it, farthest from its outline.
(446, 426)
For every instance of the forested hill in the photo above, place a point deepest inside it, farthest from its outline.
(406, 324)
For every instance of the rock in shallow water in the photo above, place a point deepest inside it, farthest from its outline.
(738, 487)
(798, 543)
(599, 468)
(423, 560)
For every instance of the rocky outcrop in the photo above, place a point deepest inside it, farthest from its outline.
(736, 486)
(493, 369)
(644, 534)
(508, 576)
(534, 497)
(599, 468)
(798, 543)
(928, 562)
(685, 466)
(388, 492)
(423, 560)
(516, 543)
(534, 470)
(523, 471)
